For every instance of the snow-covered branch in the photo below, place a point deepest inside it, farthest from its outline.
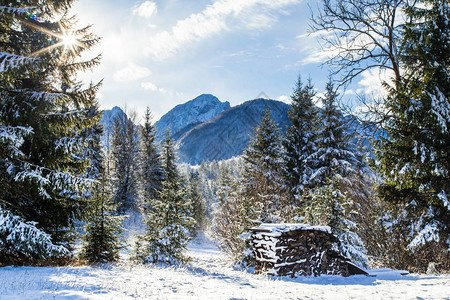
(69, 145)
(10, 61)
(24, 238)
(14, 137)
(46, 178)
(14, 10)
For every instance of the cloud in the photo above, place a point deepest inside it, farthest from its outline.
(284, 98)
(219, 17)
(372, 82)
(131, 72)
(146, 9)
(151, 87)
(314, 52)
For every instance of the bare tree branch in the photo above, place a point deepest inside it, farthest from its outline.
(361, 35)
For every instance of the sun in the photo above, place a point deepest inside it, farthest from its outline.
(66, 40)
(69, 40)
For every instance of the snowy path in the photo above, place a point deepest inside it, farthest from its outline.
(209, 277)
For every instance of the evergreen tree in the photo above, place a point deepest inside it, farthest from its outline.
(333, 164)
(330, 207)
(334, 155)
(125, 151)
(367, 211)
(264, 190)
(195, 196)
(300, 139)
(102, 240)
(169, 218)
(413, 156)
(43, 113)
(151, 171)
(22, 242)
(231, 217)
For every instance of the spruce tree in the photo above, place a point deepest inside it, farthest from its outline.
(94, 149)
(330, 207)
(264, 189)
(125, 152)
(22, 242)
(169, 217)
(413, 156)
(334, 155)
(102, 240)
(195, 196)
(300, 141)
(43, 113)
(333, 165)
(231, 217)
(151, 172)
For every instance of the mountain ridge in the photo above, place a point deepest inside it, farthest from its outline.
(228, 134)
(199, 109)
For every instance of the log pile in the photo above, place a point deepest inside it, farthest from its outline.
(298, 249)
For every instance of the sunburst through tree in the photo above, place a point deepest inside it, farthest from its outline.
(45, 117)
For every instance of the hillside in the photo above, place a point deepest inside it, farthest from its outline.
(200, 109)
(228, 134)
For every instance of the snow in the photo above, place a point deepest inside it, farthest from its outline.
(14, 137)
(277, 229)
(443, 197)
(428, 234)
(10, 61)
(25, 237)
(209, 276)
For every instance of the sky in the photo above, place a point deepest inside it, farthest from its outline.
(162, 53)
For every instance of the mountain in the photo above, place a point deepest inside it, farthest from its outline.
(227, 134)
(109, 115)
(200, 109)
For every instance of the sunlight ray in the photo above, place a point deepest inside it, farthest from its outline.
(66, 39)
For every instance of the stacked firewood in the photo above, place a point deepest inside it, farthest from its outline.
(297, 249)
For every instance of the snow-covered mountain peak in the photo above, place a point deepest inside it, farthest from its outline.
(200, 109)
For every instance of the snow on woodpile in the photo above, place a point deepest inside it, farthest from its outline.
(298, 249)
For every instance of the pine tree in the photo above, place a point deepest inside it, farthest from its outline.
(334, 155)
(94, 150)
(169, 219)
(264, 189)
(231, 217)
(300, 139)
(43, 113)
(151, 172)
(102, 239)
(195, 196)
(367, 211)
(125, 152)
(413, 156)
(333, 165)
(329, 206)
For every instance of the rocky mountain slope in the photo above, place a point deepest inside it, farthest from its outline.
(107, 120)
(207, 129)
(228, 134)
(200, 109)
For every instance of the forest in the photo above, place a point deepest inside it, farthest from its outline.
(68, 185)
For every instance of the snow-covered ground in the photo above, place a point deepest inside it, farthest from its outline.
(209, 276)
